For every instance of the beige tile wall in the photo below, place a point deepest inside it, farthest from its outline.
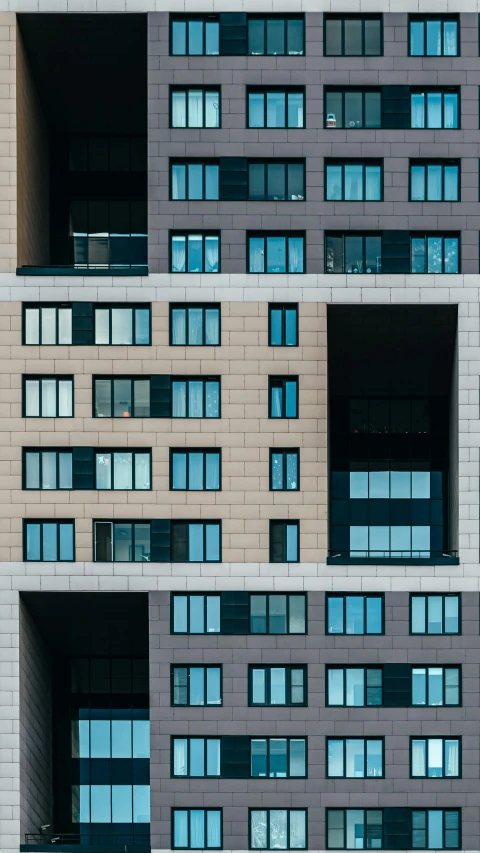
(244, 432)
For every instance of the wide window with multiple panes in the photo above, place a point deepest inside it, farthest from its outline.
(195, 107)
(277, 685)
(194, 35)
(195, 325)
(196, 541)
(196, 756)
(352, 108)
(195, 470)
(47, 469)
(436, 685)
(435, 757)
(265, 613)
(435, 253)
(115, 324)
(283, 324)
(436, 829)
(355, 758)
(276, 253)
(195, 252)
(275, 35)
(47, 324)
(195, 613)
(356, 686)
(353, 253)
(121, 397)
(273, 613)
(353, 181)
(197, 829)
(435, 108)
(434, 180)
(276, 107)
(354, 829)
(196, 397)
(283, 396)
(48, 396)
(354, 614)
(123, 469)
(48, 541)
(284, 541)
(112, 804)
(435, 613)
(434, 35)
(353, 35)
(121, 541)
(276, 181)
(196, 685)
(278, 829)
(278, 758)
(284, 469)
(194, 180)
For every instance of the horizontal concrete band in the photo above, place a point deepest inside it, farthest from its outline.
(240, 6)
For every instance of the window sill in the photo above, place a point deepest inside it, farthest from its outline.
(76, 271)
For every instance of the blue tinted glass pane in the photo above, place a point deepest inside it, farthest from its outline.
(256, 106)
(451, 614)
(373, 183)
(418, 254)
(178, 182)
(195, 472)
(142, 326)
(379, 482)
(141, 803)
(277, 685)
(179, 38)
(400, 540)
(256, 254)
(179, 467)
(195, 37)
(374, 615)
(197, 686)
(121, 738)
(212, 259)
(335, 758)
(121, 803)
(211, 182)
(292, 543)
(180, 756)
(212, 31)
(335, 615)
(291, 327)
(84, 739)
(213, 685)
(353, 190)
(292, 471)
(434, 109)
(213, 541)
(180, 829)
(65, 470)
(277, 470)
(420, 484)
(335, 687)
(178, 254)
(291, 399)
(100, 739)
(66, 541)
(32, 477)
(275, 109)
(354, 622)
(400, 484)
(435, 829)
(213, 757)
(276, 254)
(258, 686)
(212, 474)
(434, 38)
(180, 613)
(295, 109)
(451, 183)
(421, 540)
(434, 182)
(278, 757)
(197, 756)
(295, 254)
(418, 110)
(195, 399)
(258, 749)
(197, 614)
(450, 47)
(33, 542)
(195, 252)
(197, 829)
(101, 804)
(416, 38)
(334, 183)
(379, 540)
(195, 181)
(141, 739)
(195, 543)
(417, 183)
(358, 484)
(84, 811)
(418, 614)
(358, 541)
(276, 327)
(49, 541)
(419, 681)
(451, 254)
(213, 614)
(212, 399)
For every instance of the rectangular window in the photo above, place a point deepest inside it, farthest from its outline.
(353, 253)
(274, 613)
(47, 469)
(283, 324)
(437, 180)
(436, 829)
(112, 804)
(284, 470)
(195, 613)
(435, 253)
(275, 35)
(121, 541)
(276, 253)
(433, 35)
(195, 253)
(353, 35)
(435, 614)
(116, 738)
(277, 685)
(196, 685)
(195, 470)
(278, 758)
(196, 756)
(283, 396)
(355, 758)
(121, 397)
(196, 542)
(353, 108)
(194, 180)
(197, 829)
(353, 181)
(354, 829)
(48, 541)
(435, 757)
(48, 396)
(436, 108)
(284, 541)
(276, 107)
(278, 829)
(120, 469)
(122, 325)
(354, 614)
(436, 685)
(196, 397)
(356, 686)
(47, 324)
(194, 35)
(196, 107)
(276, 181)
(195, 325)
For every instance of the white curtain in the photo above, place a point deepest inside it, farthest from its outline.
(178, 254)
(195, 399)
(179, 109)
(195, 108)
(451, 758)
(179, 399)
(212, 400)
(450, 38)
(179, 326)
(49, 407)
(213, 829)
(178, 182)
(211, 254)
(211, 326)
(278, 829)
(258, 829)
(257, 255)
(180, 756)
(450, 110)
(142, 471)
(195, 326)
(295, 254)
(297, 829)
(180, 830)
(197, 829)
(122, 470)
(276, 402)
(418, 110)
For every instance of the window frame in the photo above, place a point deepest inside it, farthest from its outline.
(443, 596)
(283, 451)
(41, 521)
(188, 666)
(39, 377)
(293, 522)
(335, 161)
(353, 16)
(204, 88)
(146, 451)
(268, 810)
(363, 235)
(273, 381)
(217, 451)
(288, 685)
(442, 19)
(205, 522)
(186, 18)
(427, 738)
(443, 90)
(264, 90)
(186, 234)
(443, 810)
(342, 90)
(344, 668)
(267, 615)
(343, 739)
(185, 306)
(425, 162)
(345, 810)
(188, 810)
(283, 307)
(113, 522)
(110, 306)
(204, 380)
(132, 378)
(443, 667)
(288, 738)
(187, 161)
(291, 16)
(287, 236)
(41, 450)
(443, 235)
(39, 306)
(189, 738)
(279, 161)
(188, 595)
(364, 596)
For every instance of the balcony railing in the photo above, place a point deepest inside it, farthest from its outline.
(109, 251)
(125, 841)
(443, 557)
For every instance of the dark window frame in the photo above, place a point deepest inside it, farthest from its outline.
(288, 738)
(187, 161)
(40, 306)
(363, 235)
(276, 381)
(286, 235)
(443, 667)
(345, 810)
(204, 88)
(268, 810)
(208, 522)
(267, 615)
(343, 90)
(189, 738)
(41, 450)
(344, 596)
(343, 739)
(442, 19)
(189, 809)
(189, 595)
(132, 378)
(201, 233)
(283, 451)
(280, 161)
(372, 161)
(343, 668)
(443, 235)
(113, 522)
(443, 596)
(59, 377)
(112, 450)
(134, 306)
(425, 162)
(288, 685)
(283, 307)
(186, 18)
(217, 451)
(188, 666)
(443, 738)
(443, 90)
(354, 16)
(291, 16)
(204, 380)
(264, 90)
(443, 810)
(41, 521)
(293, 522)
(185, 306)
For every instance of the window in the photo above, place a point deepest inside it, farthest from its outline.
(354, 614)
(121, 541)
(121, 397)
(196, 756)
(283, 325)
(276, 181)
(283, 396)
(351, 108)
(113, 738)
(195, 35)
(112, 804)
(47, 469)
(353, 253)
(278, 758)
(196, 685)
(435, 108)
(122, 325)
(433, 36)
(356, 686)
(437, 829)
(109, 233)
(196, 542)
(47, 324)
(284, 470)
(435, 614)
(435, 757)
(434, 181)
(354, 829)
(276, 253)
(435, 253)
(195, 829)
(48, 396)
(278, 685)
(194, 180)
(196, 107)
(195, 325)
(275, 35)
(355, 758)
(278, 614)
(105, 153)
(49, 541)
(123, 469)
(196, 398)
(195, 253)
(436, 685)
(284, 541)
(196, 614)
(195, 470)
(278, 829)
(353, 36)
(352, 181)
(276, 107)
